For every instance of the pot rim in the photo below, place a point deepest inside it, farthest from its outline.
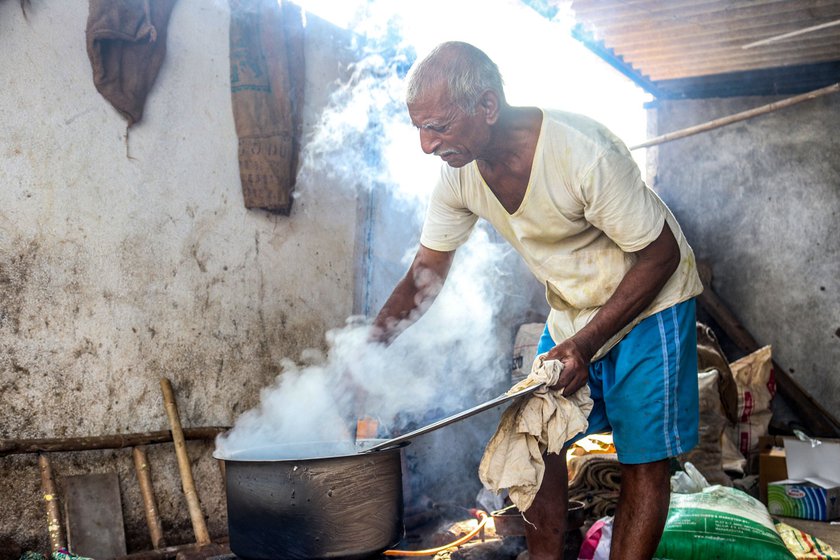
(273, 453)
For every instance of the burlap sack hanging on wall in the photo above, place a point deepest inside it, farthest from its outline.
(126, 44)
(266, 81)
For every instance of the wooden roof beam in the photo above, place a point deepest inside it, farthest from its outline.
(726, 38)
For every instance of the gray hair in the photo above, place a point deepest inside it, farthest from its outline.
(467, 71)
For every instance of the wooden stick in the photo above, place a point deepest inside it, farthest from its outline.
(202, 537)
(144, 477)
(51, 499)
(117, 441)
(223, 472)
(791, 34)
(742, 116)
(819, 421)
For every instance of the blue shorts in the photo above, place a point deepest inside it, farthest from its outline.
(645, 388)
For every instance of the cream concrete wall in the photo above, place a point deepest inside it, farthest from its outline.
(126, 260)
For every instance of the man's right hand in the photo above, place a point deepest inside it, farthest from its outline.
(576, 358)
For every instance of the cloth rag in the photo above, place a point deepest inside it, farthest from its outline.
(126, 44)
(544, 422)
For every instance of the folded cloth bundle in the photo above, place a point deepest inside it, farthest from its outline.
(541, 423)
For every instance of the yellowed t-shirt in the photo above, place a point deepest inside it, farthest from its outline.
(585, 211)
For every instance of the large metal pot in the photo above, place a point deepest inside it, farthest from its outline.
(323, 502)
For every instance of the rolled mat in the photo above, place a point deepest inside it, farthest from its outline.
(595, 480)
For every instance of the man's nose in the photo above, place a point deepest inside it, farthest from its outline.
(429, 141)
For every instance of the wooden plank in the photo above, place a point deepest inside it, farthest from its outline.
(93, 513)
(663, 38)
(599, 9)
(736, 62)
(630, 20)
(644, 28)
(698, 62)
(731, 47)
(596, 8)
(655, 46)
(686, 58)
(689, 72)
(116, 441)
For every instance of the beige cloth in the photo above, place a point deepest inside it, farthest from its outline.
(513, 459)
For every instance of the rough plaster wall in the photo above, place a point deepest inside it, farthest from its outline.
(116, 271)
(760, 200)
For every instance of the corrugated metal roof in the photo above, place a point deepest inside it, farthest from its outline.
(704, 48)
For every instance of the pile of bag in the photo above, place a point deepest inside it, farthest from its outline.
(735, 411)
(713, 521)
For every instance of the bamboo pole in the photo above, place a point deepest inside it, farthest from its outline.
(56, 533)
(116, 441)
(737, 117)
(792, 34)
(202, 537)
(144, 477)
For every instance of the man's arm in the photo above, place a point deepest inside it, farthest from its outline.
(636, 291)
(413, 295)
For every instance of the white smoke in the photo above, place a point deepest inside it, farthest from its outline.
(452, 357)
(444, 362)
(448, 358)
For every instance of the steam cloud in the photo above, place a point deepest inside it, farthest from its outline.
(453, 357)
(445, 362)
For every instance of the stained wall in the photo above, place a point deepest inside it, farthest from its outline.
(125, 258)
(760, 200)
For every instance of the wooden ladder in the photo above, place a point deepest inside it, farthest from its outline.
(137, 442)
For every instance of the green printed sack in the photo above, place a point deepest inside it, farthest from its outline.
(719, 523)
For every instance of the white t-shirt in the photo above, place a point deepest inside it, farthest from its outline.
(585, 211)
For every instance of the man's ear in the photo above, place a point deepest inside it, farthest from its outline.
(488, 104)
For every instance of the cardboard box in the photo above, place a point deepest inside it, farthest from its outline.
(812, 490)
(771, 463)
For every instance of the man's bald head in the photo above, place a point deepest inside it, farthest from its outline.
(466, 70)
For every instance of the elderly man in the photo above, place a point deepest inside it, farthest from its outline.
(618, 273)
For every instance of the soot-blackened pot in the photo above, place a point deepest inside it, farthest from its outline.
(331, 503)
